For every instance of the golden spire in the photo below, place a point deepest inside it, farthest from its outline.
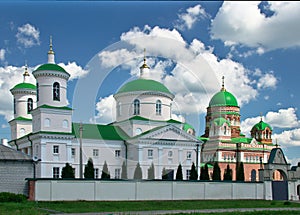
(144, 64)
(51, 50)
(26, 73)
(261, 116)
(223, 85)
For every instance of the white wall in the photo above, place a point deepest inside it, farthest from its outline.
(97, 190)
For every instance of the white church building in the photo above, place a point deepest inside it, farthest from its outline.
(143, 132)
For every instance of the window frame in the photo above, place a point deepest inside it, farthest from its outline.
(136, 107)
(117, 153)
(117, 173)
(150, 153)
(55, 149)
(95, 152)
(56, 91)
(188, 155)
(55, 172)
(158, 107)
(29, 105)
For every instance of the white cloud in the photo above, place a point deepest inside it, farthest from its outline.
(106, 109)
(283, 118)
(74, 70)
(2, 54)
(267, 80)
(243, 23)
(190, 17)
(10, 76)
(28, 35)
(179, 118)
(196, 73)
(288, 138)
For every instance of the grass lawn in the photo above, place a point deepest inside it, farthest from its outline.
(32, 208)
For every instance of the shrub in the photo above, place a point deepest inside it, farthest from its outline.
(216, 172)
(138, 172)
(67, 171)
(194, 174)
(151, 174)
(227, 174)
(105, 173)
(179, 176)
(124, 171)
(89, 171)
(12, 197)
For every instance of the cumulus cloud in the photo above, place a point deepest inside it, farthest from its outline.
(2, 54)
(248, 24)
(28, 35)
(106, 109)
(74, 70)
(288, 138)
(190, 17)
(189, 70)
(283, 118)
(10, 76)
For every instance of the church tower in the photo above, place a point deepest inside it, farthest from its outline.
(52, 113)
(24, 95)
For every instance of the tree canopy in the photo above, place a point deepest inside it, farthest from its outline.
(89, 171)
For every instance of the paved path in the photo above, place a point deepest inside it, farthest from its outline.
(203, 211)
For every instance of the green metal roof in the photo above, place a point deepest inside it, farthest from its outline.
(143, 85)
(51, 67)
(145, 119)
(24, 86)
(241, 140)
(22, 119)
(187, 126)
(53, 107)
(103, 132)
(220, 121)
(261, 126)
(223, 98)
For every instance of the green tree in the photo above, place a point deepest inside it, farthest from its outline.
(194, 174)
(138, 172)
(240, 172)
(151, 174)
(105, 173)
(216, 172)
(67, 171)
(89, 171)
(164, 174)
(227, 174)
(204, 173)
(179, 176)
(124, 171)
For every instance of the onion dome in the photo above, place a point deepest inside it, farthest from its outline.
(261, 126)
(223, 98)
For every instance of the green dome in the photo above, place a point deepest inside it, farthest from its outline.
(143, 85)
(223, 98)
(187, 126)
(220, 121)
(51, 67)
(261, 126)
(24, 86)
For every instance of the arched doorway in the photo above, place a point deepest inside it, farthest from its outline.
(279, 185)
(253, 175)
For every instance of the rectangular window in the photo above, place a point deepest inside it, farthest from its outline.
(150, 153)
(73, 152)
(55, 149)
(117, 173)
(170, 154)
(55, 172)
(188, 155)
(95, 152)
(188, 174)
(117, 153)
(96, 172)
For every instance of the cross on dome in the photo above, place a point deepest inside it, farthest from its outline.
(144, 67)
(223, 85)
(25, 74)
(51, 53)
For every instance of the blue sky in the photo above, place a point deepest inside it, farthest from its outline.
(190, 46)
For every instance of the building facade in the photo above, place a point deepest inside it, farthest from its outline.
(143, 132)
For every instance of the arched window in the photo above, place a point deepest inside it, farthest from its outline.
(158, 107)
(29, 105)
(119, 108)
(65, 124)
(225, 130)
(136, 107)
(56, 92)
(47, 122)
(22, 132)
(15, 107)
(37, 91)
